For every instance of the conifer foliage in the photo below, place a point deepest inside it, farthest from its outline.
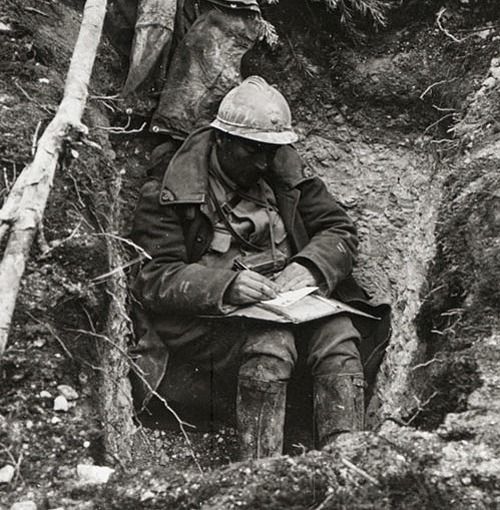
(356, 13)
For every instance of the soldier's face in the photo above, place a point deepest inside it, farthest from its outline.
(244, 161)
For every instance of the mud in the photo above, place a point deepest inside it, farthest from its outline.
(374, 123)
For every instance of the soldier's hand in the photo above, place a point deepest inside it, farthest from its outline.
(295, 276)
(250, 287)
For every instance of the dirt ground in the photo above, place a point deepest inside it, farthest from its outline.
(374, 122)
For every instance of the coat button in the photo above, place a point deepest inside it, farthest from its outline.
(199, 239)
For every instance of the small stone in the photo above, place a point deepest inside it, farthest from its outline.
(24, 505)
(55, 420)
(61, 404)
(46, 81)
(7, 473)
(67, 392)
(86, 444)
(146, 495)
(39, 342)
(19, 376)
(90, 474)
(45, 394)
(5, 27)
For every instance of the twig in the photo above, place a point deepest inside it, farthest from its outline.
(48, 327)
(439, 109)
(437, 122)
(32, 9)
(26, 95)
(92, 144)
(17, 463)
(479, 29)
(427, 363)
(430, 87)
(326, 501)
(444, 140)
(421, 407)
(115, 97)
(444, 30)
(35, 138)
(89, 318)
(122, 130)
(77, 191)
(102, 277)
(110, 128)
(29, 98)
(48, 249)
(17, 466)
(359, 471)
(138, 248)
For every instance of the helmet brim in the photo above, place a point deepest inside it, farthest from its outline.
(272, 137)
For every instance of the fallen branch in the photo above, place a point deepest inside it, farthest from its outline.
(24, 212)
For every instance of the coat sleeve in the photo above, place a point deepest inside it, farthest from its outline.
(333, 241)
(168, 282)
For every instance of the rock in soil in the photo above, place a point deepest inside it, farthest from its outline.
(6, 474)
(61, 404)
(90, 474)
(67, 392)
(24, 505)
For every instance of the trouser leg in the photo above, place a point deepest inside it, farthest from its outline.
(268, 358)
(338, 383)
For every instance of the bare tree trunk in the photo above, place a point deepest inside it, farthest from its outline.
(25, 206)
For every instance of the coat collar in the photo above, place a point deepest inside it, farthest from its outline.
(185, 180)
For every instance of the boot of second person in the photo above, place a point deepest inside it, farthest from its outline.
(338, 406)
(260, 414)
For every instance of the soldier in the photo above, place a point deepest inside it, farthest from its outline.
(236, 192)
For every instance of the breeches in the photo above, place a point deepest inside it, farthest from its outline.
(331, 346)
(259, 351)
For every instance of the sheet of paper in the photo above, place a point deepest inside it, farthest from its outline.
(290, 297)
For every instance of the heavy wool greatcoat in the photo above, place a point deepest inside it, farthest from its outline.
(174, 225)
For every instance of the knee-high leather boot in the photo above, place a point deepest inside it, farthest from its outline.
(260, 414)
(338, 406)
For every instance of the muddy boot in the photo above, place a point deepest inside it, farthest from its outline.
(260, 414)
(338, 406)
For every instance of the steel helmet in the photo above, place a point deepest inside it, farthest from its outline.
(256, 111)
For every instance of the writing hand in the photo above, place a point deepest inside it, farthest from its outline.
(295, 276)
(250, 287)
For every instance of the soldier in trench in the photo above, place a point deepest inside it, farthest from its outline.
(233, 194)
